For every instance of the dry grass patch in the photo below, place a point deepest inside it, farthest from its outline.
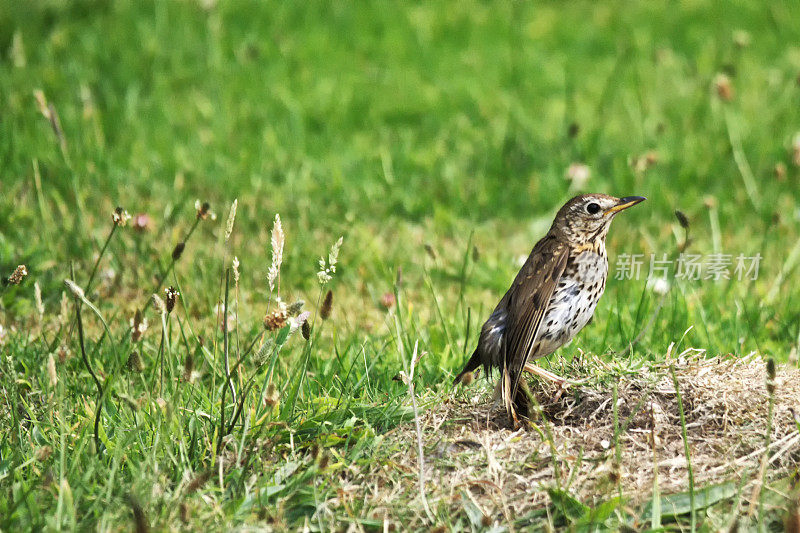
(475, 460)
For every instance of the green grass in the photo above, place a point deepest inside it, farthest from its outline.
(447, 125)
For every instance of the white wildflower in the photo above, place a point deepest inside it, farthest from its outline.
(659, 286)
(578, 174)
(108, 275)
(297, 321)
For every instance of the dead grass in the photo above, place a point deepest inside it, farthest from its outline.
(472, 454)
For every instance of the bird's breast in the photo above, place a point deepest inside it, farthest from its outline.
(573, 301)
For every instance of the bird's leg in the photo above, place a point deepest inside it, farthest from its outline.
(546, 374)
(502, 395)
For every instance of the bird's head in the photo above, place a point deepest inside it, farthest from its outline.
(587, 217)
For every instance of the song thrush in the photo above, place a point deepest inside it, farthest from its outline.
(552, 298)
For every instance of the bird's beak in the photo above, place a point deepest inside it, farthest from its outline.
(625, 203)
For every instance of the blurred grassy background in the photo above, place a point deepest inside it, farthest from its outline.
(446, 124)
(377, 121)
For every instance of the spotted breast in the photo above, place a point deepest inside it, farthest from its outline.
(573, 301)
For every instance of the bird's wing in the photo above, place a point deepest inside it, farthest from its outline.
(528, 299)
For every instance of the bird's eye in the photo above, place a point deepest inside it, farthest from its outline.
(592, 208)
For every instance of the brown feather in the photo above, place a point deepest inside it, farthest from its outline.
(528, 300)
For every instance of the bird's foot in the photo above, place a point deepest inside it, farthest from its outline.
(555, 378)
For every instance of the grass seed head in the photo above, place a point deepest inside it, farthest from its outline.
(37, 297)
(271, 398)
(75, 289)
(159, 304)
(724, 88)
(771, 376)
(645, 161)
(41, 103)
(18, 275)
(138, 326)
(231, 219)
(188, 368)
(51, 370)
(44, 453)
(682, 219)
(63, 315)
(388, 300)
(779, 171)
(324, 460)
(278, 240)
(741, 38)
(327, 270)
(172, 295)
(327, 306)
(333, 256)
(295, 308)
(262, 356)
(198, 481)
(63, 353)
(120, 217)
(275, 320)
(573, 129)
(177, 252)
(135, 363)
(203, 210)
(305, 329)
(235, 265)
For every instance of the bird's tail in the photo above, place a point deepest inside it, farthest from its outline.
(473, 363)
(522, 403)
(514, 394)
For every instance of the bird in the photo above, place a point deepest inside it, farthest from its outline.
(551, 299)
